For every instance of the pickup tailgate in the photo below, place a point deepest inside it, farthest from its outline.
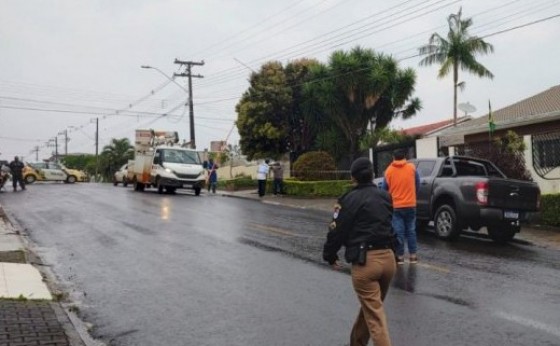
(513, 194)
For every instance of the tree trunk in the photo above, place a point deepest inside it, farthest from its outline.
(455, 79)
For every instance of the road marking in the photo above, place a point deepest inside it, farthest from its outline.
(433, 267)
(527, 322)
(277, 230)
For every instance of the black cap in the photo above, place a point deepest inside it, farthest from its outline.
(360, 164)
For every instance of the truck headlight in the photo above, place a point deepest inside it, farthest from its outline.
(168, 170)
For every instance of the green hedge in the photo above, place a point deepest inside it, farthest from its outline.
(550, 210)
(329, 188)
(239, 183)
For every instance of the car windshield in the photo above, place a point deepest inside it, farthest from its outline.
(180, 156)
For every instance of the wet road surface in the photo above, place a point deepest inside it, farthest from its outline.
(149, 269)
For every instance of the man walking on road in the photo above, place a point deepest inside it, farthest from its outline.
(262, 174)
(362, 223)
(402, 182)
(17, 173)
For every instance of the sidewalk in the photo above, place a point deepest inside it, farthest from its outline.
(547, 237)
(28, 314)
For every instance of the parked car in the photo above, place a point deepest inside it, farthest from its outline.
(51, 171)
(121, 176)
(460, 192)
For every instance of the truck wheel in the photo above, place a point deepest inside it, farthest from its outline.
(29, 179)
(125, 182)
(197, 191)
(159, 186)
(445, 223)
(170, 190)
(138, 186)
(115, 183)
(71, 179)
(502, 233)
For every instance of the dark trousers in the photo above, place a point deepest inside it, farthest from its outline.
(15, 179)
(278, 187)
(262, 187)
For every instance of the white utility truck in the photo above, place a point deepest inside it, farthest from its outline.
(160, 162)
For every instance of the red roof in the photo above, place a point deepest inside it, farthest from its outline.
(426, 129)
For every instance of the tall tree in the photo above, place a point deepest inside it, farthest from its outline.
(356, 89)
(456, 51)
(262, 112)
(116, 154)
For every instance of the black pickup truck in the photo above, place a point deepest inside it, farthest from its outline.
(461, 192)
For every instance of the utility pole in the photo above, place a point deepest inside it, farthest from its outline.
(65, 133)
(96, 147)
(36, 151)
(189, 75)
(56, 149)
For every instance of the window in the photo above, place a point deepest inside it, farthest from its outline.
(548, 152)
(180, 156)
(425, 168)
(470, 168)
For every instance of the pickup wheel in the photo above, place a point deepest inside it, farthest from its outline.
(445, 223)
(170, 190)
(502, 233)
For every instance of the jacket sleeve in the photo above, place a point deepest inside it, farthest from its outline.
(338, 232)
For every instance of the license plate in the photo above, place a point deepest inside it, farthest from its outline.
(511, 214)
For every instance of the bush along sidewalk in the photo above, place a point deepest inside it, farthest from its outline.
(329, 188)
(550, 210)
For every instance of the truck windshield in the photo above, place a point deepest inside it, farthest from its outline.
(180, 156)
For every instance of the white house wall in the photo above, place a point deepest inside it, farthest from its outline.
(427, 148)
(549, 185)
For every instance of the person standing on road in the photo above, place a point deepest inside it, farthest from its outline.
(402, 181)
(362, 224)
(212, 176)
(17, 173)
(262, 174)
(278, 175)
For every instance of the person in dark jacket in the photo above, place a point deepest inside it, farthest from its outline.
(362, 224)
(17, 173)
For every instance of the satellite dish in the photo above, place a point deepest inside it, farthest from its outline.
(466, 107)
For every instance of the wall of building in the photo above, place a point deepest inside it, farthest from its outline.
(552, 182)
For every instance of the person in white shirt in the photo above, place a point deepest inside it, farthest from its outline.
(262, 174)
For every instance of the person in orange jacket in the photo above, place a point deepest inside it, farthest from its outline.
(402, 181)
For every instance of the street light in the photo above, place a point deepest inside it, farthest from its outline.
(190, 103)
(166, 76)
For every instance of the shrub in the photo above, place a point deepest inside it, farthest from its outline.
(550, 205)
(238, 183)
(314, 166)
(329, 188)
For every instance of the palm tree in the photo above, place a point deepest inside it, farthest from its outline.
(355, 89)
(457, 51)
(115, 154)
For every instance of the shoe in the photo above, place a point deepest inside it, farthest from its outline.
(413, 259)
(400, 260)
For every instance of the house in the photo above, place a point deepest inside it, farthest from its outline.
(536, 119)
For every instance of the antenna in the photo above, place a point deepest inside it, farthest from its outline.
(466, 107)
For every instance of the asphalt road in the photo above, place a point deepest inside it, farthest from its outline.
(149, 269)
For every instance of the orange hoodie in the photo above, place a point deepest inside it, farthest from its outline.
(401, 180)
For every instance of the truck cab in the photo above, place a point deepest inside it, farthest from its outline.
(166, 167)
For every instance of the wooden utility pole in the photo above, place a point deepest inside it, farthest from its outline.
(189, 75)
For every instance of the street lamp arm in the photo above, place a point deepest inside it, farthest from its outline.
(166, 76)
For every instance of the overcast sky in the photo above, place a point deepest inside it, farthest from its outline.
(65, 63)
